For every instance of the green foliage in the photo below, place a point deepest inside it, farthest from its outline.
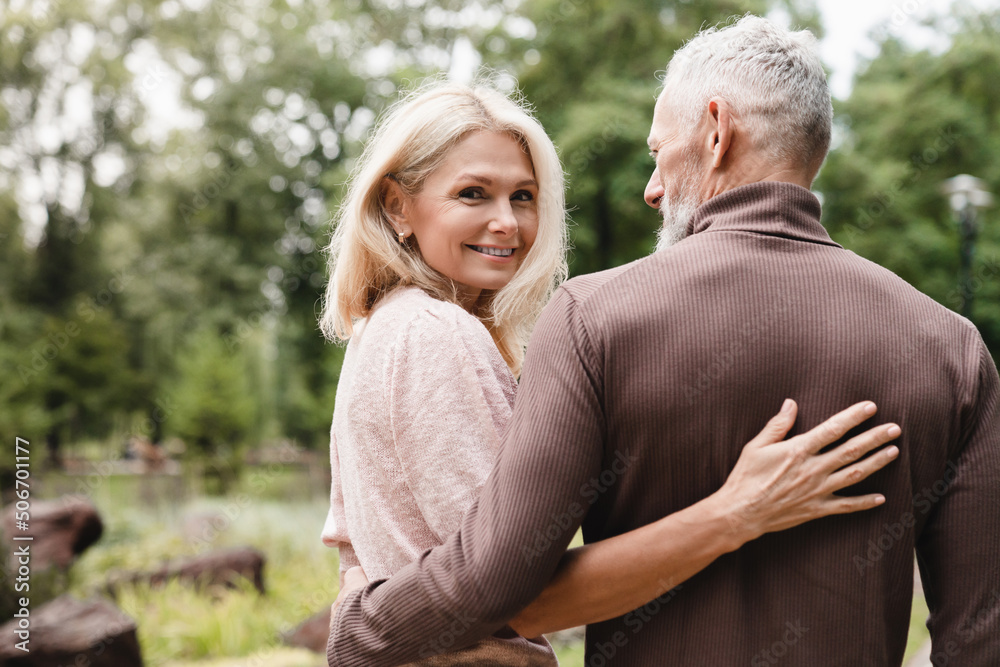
(215, 222)
(64, 375)
(306, 395)
(913, 120)
(216, 227)
(213, 412)
(22, 410)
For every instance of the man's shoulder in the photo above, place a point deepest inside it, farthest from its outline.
(596, 285)
(896, 289)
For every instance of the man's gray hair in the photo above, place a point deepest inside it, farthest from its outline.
(772, 78)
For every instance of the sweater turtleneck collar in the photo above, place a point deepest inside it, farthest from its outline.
(767, 207)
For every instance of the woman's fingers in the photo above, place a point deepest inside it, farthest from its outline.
(841, 505)
(852, 474)
(862, 469)
(834, 428)
(355, 577)
(859, 445)
(777, 486)
(778, 426)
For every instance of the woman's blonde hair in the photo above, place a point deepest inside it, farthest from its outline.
(410, 141)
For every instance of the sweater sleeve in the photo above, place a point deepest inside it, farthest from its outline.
(448, 401)
(335, 534)
(958, 549)
(512, 538)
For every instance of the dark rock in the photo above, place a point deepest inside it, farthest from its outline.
(67, 631)
(63, 529)
(312, 633)
(219, 568)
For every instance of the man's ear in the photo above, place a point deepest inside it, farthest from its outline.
(721, 129)
(395, 205)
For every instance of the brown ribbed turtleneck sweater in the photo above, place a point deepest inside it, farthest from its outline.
(640, 387)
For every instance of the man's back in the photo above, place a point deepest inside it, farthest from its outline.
(698, 345)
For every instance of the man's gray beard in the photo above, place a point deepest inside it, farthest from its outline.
(676, 216)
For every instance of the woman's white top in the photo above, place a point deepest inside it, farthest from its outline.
(423, 398)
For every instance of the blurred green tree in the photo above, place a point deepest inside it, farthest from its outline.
(69, 104)
(914, 119)
(213, 411)
(21, 404)
(210, 221)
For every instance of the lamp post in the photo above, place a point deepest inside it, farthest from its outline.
(966, 195)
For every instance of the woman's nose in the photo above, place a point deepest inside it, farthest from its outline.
(504, 221)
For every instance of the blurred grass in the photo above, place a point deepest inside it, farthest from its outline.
(181, 627)
(919, 634)
(272, 657)
(571, 656)
(178, 623)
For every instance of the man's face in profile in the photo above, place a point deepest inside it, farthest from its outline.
(674, 185)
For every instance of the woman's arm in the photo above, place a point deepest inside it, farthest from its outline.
(775, 485)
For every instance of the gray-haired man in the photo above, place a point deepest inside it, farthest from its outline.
(676, 357)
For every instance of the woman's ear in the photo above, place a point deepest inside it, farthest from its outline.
(395, 206)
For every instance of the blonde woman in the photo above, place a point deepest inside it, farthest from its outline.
(450, 240)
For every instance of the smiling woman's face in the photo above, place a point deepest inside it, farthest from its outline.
(476, 216)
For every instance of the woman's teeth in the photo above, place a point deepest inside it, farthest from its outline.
(498, 252)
